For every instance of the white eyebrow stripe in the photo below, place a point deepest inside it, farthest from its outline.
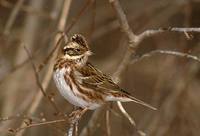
(71, 45)
(73, 57)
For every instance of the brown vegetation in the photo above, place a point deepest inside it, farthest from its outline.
(151, 47)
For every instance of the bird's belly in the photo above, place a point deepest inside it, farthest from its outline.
(66, 91)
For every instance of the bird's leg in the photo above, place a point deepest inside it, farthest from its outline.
(77, 114)
(74, 118)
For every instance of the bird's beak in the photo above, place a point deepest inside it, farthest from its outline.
(89, 53)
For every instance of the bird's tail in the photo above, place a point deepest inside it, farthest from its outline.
(140, 102)
(126, 97)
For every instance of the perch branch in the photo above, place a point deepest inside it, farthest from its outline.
(108, 127)
(75, 116)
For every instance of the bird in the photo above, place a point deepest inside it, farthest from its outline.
(81, 83)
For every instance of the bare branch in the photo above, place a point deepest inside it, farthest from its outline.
(126, 114)
(132, 38)
(67, 29)
(17, 67)
(108, 127)
(48, 75)
(47, 59)
(51, 100)
(123, 22)
(13, 117)
(40, 124)
(152, 32)
(27, 9)
(130, 119)
(133, 42)
(174, 53)
(13, 16)
(75, 116)
(74, 20)
(91, 126)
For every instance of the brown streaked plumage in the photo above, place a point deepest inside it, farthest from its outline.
(81, 83)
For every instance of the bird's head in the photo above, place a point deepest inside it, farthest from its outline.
(77, 49)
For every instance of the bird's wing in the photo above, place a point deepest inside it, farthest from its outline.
(94, 78)
(91, 77)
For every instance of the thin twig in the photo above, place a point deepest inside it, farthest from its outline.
(108, 127)
(126, 114)
(76, 128)
(134, 41)
(132, 38)
(91, 126)
(152, 32)
(38, 97)
(26, 9)
(41, 66)
(13, 16)
(13, 117)
(75, 116)
(39, 84)
(64, 33)
(133, 44)
(74, 20)
(130, 51)
(41, 123)
(17, 67)
(174, 53)
(93, 20)
(131, 120)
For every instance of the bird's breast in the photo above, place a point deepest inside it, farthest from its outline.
(68, 89)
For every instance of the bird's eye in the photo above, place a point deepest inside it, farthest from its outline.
(70, 52)
(78, 50)
(67, 49)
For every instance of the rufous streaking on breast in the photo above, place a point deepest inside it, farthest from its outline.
(82, 84)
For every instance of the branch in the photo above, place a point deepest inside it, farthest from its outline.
(133, 43)
(130, 119)
(152, 32)
(51, 100)
(132, 38)
(75, 116)
(74, 20)
(174, 53)
(91, 126)
(13, 16)
(2, 119)
(47, 59)
(26, 9)
(40, 124)
(38, 97)
(64, 33)
(108, 127)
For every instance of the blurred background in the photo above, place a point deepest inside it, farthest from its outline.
(167, 82)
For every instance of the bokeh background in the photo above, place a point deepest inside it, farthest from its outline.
(167, 82)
